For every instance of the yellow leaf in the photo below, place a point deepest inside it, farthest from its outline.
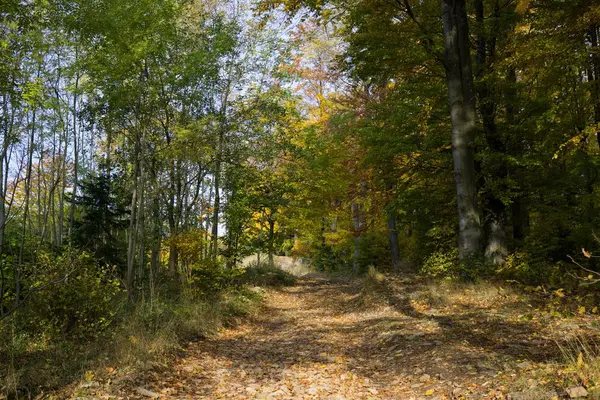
(595, 310)
(581, 310)
(88, 376)
(587, 254)
(429, 392)
(522, 6)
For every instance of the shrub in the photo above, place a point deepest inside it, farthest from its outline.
(262, 274)
(441, 264)
(210, 277)
(77, 297)
(329, 258)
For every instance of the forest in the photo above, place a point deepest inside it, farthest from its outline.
(323, 196)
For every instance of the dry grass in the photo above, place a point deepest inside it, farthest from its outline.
(378, 288)
(480, 294)
(146, 336)
(374, 289)
(582, 360)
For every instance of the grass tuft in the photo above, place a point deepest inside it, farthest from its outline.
(582, 360)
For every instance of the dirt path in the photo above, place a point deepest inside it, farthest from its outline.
(315, 341)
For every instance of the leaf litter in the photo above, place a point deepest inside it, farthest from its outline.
(318, 340)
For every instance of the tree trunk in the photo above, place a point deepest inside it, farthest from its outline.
(141, 224)
(208, 250)
(459, 76)
(357, 236)
(132, 225)
(359, 223)
(519, 209)
(216, 208)
(7, 133)
(271, 241)
(595, 78)
(494, 210)
(75, 156)
(157, 234)
(393, 239)
(27, 186)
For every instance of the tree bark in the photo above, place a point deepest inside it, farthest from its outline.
(595, 78)
(27, 185)
(519, 210)
(494, 210)
(459, 76)
(131, 240)
(394, 243)
(271, 241)
(75, 157)
(359, 224)
(216, 209)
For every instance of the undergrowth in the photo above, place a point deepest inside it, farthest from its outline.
(136, 338)
(581, 364)
(262, 274)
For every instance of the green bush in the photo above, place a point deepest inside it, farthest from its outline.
(209, 278)
(374, 250)
(262, 274)
(239, 302)
(329, 258)
(76, 298)
(441, 264)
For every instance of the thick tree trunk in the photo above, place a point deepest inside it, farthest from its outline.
(494, 210)
(462, 109)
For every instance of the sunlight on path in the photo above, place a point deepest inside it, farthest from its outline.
(309, 343)
(316, 340)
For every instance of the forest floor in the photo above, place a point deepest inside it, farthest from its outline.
(388, 338)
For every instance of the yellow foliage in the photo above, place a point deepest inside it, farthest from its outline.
(522, 6)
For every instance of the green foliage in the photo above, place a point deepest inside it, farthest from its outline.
(82, 324)
(446, 264)
(82, 300)
(329, 258)
(374, 250)
(239, 302)
(103, 217)
(262, 274)
(210, 278)
(441, 264)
